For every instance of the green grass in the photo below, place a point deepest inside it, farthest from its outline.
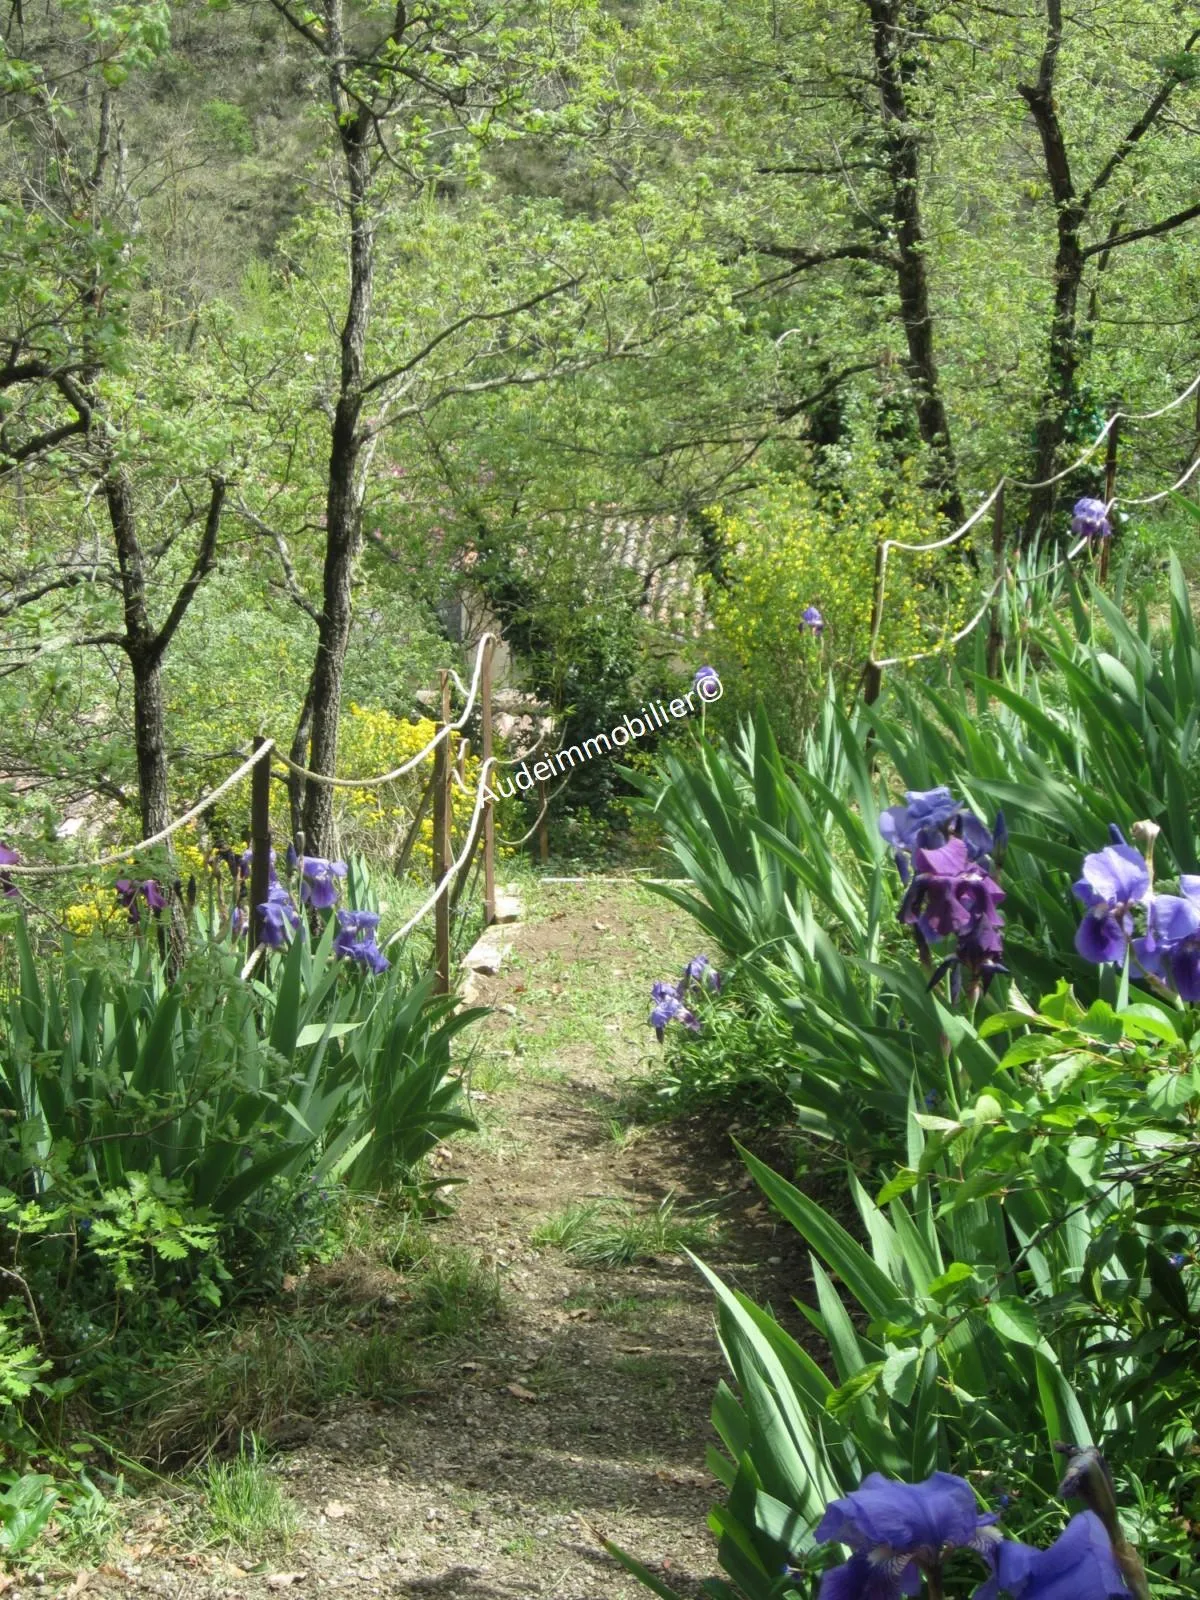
(455, 1293)
(624, 1133)
(522, 1546)
(286, 1367)
(372, 1366)
(613, 1234)
(243, 1505)
(652, 1372)
(386, 1231)
(634, 1313)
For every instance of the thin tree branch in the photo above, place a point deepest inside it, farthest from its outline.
(1141, 127)
(804, 260)
(206, 560)
(1150, 231)
(462, 322)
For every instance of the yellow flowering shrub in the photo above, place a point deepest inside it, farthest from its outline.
(792, 549)
(376, 821)
(95, 907)
(96, 910)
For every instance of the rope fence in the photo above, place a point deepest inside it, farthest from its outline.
(447, 775)
(872, 676)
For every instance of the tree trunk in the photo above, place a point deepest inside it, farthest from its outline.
(150, 744)
(144, 653)
(144, 647)
(1063, 358)
(344, 497)
(912, 277)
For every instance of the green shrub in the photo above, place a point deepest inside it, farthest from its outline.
(167, 1147)
(227, 126)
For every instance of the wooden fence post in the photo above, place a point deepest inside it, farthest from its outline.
(489, 818)
(995, 640)
(260, 840)
(441, 846)
(1110, 489)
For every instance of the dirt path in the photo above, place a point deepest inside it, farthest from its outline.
(584, 1406)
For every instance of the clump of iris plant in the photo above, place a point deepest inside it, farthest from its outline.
(1116, 889)
(129, 893)
(1089, 519)
(355, 940)
(947, 859)
(900, 1534)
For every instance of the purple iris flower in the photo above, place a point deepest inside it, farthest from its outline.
(897, 1530)
(317, 886)
(1170, 947)
(1177, 1260)
(669, 1007)
(277, 917)
(128, 894)
(812, 620)
(1089, 520)
(954, 896)
(703, 672)
(1079, 1565)
(245, 861)
(700, 971)
(356, 939)
(8, 858)
(373, 957)
(923, 819)
(930, 817)
(1114, 880)
(237, 922)
(950, 893)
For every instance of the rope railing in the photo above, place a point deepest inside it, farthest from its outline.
(875, 665)
(456, 865)
(399, 772)
(1117, 416)
(448, 872)
(884, 551)
(124, 855)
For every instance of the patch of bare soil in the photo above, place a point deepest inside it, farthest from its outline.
(584, 1408)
